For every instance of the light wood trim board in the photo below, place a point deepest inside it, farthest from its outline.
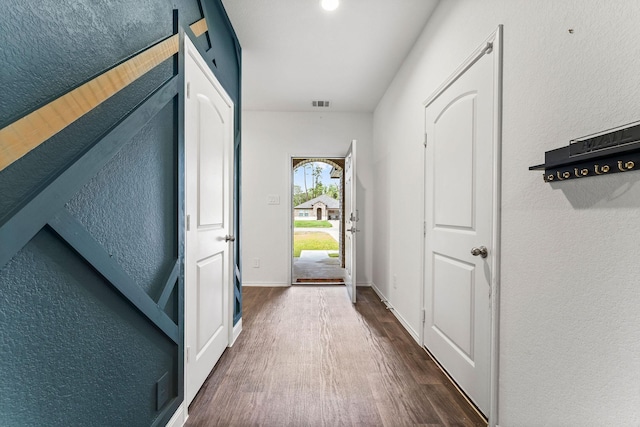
(25, 134)
(199, 27)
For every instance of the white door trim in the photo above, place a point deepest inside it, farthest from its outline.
(492, 44)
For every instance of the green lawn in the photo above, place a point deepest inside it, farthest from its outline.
(311, 241)
(312, 224)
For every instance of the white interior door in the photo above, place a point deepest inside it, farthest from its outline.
(459, 199)
(208, 189)
(351, 220)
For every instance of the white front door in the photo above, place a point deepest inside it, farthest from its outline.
(459, 206)
(208, 189)
(351, 221)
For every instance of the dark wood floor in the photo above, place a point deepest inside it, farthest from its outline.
(308, 357)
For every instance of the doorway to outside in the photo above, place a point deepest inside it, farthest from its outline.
(317, 222)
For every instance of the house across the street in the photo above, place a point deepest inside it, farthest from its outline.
(321, 208)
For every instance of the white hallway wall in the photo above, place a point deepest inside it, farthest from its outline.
(570, 335)
(269, 139)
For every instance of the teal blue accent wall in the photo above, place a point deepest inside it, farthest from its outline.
(74, 351)
(127, 207)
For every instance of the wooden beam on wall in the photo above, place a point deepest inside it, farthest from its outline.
(18, 228)
(199, 27)
(25, 134)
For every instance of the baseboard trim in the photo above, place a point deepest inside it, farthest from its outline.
(237, 328)
(395, 312)
(266, 284)
(178, 418)
(363, 284)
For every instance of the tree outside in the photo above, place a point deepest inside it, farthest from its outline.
(312, 180)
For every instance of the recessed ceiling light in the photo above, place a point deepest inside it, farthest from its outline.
(330, 4)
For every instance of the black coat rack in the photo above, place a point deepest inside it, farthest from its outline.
(612, 151)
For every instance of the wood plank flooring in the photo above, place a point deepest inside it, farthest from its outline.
(308, 357)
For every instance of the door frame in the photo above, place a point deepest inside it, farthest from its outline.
(291, 211)
(491, 44)
(191, 49)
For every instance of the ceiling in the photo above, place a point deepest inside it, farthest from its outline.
(295, 52)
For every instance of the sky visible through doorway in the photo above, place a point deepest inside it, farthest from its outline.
(298, 175)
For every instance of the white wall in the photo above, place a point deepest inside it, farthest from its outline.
(570, 321)
(269, 140)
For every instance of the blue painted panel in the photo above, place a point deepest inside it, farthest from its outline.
(52, 46)
(171, 307)
(19, 227)
(224, 48)
(129, 206)
(74, 234)
(74, 353)
(169, 285)
(27, 173)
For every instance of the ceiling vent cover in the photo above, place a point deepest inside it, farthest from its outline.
(322, 104)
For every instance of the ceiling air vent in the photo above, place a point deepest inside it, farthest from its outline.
(322, 104)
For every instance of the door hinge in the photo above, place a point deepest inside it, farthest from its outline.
(188, 90)
(424, 229)
(424, 315)
(188, 222)
(188, 356)
(425, 139)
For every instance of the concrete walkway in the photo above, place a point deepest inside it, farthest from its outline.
(317, 265)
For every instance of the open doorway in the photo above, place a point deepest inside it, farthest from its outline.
(317, 222)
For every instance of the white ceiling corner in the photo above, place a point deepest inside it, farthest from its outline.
(295, 52)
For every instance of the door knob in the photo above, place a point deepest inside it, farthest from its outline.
(229, 238)
(482, 251)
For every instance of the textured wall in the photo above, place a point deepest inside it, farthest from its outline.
(72, 350)
(51, 46)
(269, 141)
(130, 206)
(569, 325)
